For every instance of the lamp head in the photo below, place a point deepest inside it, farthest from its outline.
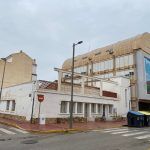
(80, 42)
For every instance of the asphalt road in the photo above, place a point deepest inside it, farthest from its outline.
(118, 139)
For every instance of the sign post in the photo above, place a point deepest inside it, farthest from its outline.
(40, 99)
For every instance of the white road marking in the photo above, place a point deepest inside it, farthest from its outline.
(115, 130)
(136, 133)
(96, 130)
(124, 132)
(143, 137)
(6, 131)
(18, 130)
(111, 129)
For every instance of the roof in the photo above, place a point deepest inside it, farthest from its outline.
(141, 41)
(48, 85)
(43, 84)
(22, 53)
(145, 112)
(136, 113)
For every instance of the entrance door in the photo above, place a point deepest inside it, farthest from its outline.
(104, 115)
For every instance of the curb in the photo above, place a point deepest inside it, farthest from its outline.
(40, 131)
(53, 131)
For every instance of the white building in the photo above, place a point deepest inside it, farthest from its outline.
(110, 99)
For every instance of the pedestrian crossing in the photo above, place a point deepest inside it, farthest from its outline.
(11, 131)
(136, 133)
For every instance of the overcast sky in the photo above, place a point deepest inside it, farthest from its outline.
(46, 29)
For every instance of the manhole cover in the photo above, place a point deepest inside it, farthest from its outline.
(30, 142)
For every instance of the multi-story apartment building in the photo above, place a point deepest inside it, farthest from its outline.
(16, 69)
(130, 58)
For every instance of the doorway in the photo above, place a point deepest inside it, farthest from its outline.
(104, 114)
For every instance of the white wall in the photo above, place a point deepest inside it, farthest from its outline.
(21, 94)
(50, 107)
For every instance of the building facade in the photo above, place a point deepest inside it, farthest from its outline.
(91, 103)
(19, 68)
(130, 58)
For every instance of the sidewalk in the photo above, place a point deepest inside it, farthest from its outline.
(51, 128)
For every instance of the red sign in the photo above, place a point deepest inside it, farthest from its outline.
(40, 98)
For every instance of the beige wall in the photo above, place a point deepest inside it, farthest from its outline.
(19, 69)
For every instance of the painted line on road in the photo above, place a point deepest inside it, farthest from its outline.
(117, 130)
(121, 132)
(6, 131)
(110, 129)
(96, 130)
(18, 130)
(136, 133)
(143, 137)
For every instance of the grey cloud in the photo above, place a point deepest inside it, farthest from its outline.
(46, 29)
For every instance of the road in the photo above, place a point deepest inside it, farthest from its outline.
(110, 139)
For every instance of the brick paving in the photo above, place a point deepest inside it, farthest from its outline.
(63, 126)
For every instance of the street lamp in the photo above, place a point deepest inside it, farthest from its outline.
(71, 102)
(5, 60)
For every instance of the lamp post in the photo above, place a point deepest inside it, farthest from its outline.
(3, 74)
(71, 102)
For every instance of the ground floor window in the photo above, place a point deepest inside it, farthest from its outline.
(74, 105)
(79, 107)
(13, 106)
(99, 108)
(93, 108)
(110, 109)
(7, 105)
(63, 108)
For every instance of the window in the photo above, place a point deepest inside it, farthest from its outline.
(93, 108)
(63, 108)
(7, 105)
(111, 64)
(110, 109)
(102, 66)
(131, 73)
(99, 108)
(131, 59)
(13, 106)
(106, 65)
(74, 104)
(126, 60)
(79, 107)
(117, 62)
(122, 61)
